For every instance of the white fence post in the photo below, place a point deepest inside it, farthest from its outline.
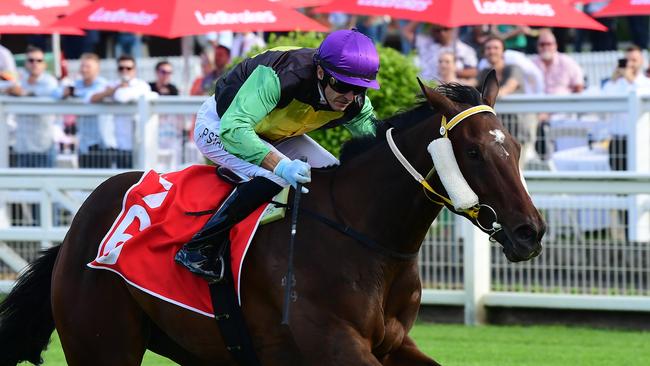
(633, 124)
(476, 267)
(146, 147)
(638, 160)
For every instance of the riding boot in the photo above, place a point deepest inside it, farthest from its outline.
(203, 254)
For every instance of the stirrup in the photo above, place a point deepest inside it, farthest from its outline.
(197, 266)
(209, 277)
(222, 265)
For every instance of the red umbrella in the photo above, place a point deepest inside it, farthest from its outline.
(37, 17)
(454, 13)
(27, 17)
(176, 18)
(301, 3)
(58, 7)
(584, 2)
(624, 7)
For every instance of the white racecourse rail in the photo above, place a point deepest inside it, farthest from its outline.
(596, 252)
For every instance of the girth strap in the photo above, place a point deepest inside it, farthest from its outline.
(230, 318)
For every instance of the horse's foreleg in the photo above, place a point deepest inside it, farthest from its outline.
(339, 346)
(408, 354)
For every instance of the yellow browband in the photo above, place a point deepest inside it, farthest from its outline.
(445, 127)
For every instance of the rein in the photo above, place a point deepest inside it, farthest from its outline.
(364, 240)
(445, 127)
(359, 237)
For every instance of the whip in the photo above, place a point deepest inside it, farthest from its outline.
(289, 279)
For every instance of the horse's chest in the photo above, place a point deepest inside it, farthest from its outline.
(400, 308)
(394, 332)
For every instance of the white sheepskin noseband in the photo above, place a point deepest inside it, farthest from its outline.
(462, 197)
(460, 194)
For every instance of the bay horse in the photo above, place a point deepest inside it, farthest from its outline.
(355, 304)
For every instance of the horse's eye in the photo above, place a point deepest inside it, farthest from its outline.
(474, 153)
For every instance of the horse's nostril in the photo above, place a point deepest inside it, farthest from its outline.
(526, 233)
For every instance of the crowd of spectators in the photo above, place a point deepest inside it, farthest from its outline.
(444, 55)
(104, 141)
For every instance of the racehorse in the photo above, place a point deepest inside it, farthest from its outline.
(356, 303)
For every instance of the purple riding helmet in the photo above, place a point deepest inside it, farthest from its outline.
(350, 57)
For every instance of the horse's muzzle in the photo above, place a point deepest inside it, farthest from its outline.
(522, 243)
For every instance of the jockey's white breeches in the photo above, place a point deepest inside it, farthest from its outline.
(206, 137)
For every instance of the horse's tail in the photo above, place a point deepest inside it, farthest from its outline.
(26, 321)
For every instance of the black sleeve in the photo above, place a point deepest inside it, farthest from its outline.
(289, 86)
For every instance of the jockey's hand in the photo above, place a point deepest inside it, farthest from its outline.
(294, 172)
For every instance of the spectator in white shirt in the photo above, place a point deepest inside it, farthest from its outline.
(442, 39)
(629, 74)
(127, 89)
(34, 145)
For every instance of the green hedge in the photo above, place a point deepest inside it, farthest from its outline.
(397, 77)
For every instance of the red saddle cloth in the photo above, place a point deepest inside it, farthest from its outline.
(153, 225)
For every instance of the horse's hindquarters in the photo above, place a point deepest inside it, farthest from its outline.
(96, 318)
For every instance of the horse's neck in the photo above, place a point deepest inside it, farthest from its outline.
(386, 202)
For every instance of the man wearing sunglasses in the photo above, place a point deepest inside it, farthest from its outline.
(163, 83)
(562, 74)
(257, 120)
(127, 89)
(34, 145)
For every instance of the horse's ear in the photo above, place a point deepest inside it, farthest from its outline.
(438, 101)
(490, 88)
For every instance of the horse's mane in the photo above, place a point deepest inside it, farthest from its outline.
(405, 119)
(460, 93)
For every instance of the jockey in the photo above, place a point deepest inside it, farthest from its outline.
(256, 123)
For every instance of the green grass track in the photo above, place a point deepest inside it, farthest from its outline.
(457, 345)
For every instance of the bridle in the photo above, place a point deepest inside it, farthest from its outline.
(445, 127)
